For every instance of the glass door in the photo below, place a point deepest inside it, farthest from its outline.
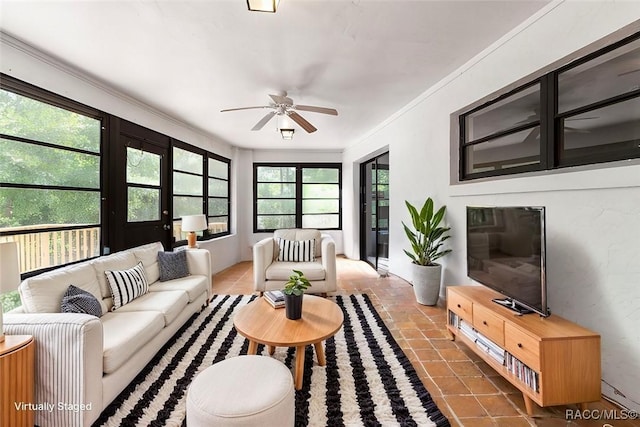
(142, 170)
(374, 216)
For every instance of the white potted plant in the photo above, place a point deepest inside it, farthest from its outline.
(426, 238)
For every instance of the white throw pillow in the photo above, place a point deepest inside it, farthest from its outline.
(297, 250)
(127, 285)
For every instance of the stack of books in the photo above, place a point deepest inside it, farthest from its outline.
(491, 348)
(275, 298)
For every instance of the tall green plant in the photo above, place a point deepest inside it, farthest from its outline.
(427, 237)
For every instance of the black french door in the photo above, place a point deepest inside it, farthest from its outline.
(140, 161)
(374, 212)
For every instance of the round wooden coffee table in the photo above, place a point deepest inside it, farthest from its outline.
(260, 323)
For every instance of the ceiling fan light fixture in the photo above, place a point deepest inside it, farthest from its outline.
(287, 134)
(263, 5)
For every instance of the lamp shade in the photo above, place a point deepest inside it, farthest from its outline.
(9, 267)
(287, 133)
(263, 5)
(194, 223)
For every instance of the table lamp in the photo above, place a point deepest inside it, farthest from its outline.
(9, 273)
(193, 223)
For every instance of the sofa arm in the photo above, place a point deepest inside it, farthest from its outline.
(328, 251)
(199, 262)
(262, 258)
(68, 371)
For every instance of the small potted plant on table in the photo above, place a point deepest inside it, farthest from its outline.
(293, 292)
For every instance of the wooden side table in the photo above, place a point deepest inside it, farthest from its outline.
(17, 355)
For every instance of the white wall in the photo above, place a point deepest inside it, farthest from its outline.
(593, 216)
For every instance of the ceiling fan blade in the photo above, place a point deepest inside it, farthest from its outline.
(279, 99)
(243, 108)
(576, 130)
(580, 118)
(311, 108)
(301, 121)
(533, 135)
(264, 120)
(629, 72)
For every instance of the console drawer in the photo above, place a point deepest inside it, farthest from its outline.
(523, 346)
(459, 305)
(488, 324)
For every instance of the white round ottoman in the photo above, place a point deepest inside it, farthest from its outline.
(242, 391)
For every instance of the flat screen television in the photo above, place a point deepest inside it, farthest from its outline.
(506, 252)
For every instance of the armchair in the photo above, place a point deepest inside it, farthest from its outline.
(271, 274)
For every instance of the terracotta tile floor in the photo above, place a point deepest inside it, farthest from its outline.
(467, 390)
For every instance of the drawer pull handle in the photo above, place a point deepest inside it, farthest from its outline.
(519, 345)
(458, 305)
(484, 322)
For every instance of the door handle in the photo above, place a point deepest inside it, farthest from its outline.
(166, 227)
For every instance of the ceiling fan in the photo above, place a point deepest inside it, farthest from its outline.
(535, 132)
(282, 105)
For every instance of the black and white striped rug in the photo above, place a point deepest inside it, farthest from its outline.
(367, 380)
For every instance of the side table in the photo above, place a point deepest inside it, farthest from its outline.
(17, 355)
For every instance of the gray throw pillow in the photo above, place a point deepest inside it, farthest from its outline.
(173, 265)
(76, 300)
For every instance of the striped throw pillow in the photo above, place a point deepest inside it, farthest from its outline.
(127, 285)
(297, 250)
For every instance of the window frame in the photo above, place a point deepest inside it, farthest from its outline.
(551, 122)
(299, 167)
(204, 198)
(11, 84)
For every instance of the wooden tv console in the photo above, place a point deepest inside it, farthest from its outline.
(551, 360)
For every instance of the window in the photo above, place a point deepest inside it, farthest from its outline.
(602, 123)
(219, 170)
(143, 185)
(297, 196)
(190, 166)
(50, 179)
(583, 113)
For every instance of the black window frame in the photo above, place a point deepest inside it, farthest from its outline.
(106, 178)
(551, 122)
(204, 198)
(299, 167)
(19, 87)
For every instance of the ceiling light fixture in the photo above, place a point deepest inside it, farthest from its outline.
(263, 5)
(287, 133)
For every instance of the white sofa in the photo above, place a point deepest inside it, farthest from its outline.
(271, 274)
(87, 361)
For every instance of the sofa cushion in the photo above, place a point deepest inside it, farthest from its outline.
(125, 333)
(169, 303)
(173, 265)
(76, 300)
(282, 270)
(148, 254)
(193, 285)
(118, 261)
(297, 234)
(127, 285)
(43, 293)
(296, 250)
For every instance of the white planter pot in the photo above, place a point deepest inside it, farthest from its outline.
(426, 283)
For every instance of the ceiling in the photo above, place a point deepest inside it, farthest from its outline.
(191, 59)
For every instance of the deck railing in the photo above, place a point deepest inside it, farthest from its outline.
(40, 249)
